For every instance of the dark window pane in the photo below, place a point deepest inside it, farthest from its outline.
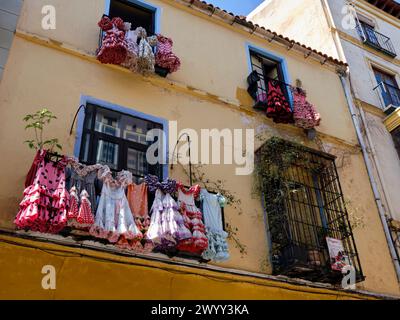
(107, 153)
(396, 139)
(129, 12)
(136, 162)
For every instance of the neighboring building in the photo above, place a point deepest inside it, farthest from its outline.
(9, 13)
(365, 34)
(58, 69)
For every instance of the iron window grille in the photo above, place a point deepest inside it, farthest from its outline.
(264, 70)
(375, 39)
(304, 204)
(117, 140)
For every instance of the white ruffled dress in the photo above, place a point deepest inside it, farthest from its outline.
(114, 220)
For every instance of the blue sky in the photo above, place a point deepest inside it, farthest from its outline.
(239, 7)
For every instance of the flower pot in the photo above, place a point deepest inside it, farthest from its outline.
(162, 72)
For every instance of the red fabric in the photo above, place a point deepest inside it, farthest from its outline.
(165, 58)
(114, 48)
(45, 204)
(304, 113)
(277, 106)
(32, 171)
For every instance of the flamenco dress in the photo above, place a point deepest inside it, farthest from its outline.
(193, 219)
(45, 203)
(114, 220)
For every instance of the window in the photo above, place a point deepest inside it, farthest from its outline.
(117, 140)
(396, 138)
(305, 208)
(388, 88)
(266, 69)
(373, 38)
(137, 15)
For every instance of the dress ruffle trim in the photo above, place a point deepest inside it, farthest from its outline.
(42, 210)
(217, 249)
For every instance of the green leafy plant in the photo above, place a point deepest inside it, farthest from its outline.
(37, 122)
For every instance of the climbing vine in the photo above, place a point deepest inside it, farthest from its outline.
(199, 177)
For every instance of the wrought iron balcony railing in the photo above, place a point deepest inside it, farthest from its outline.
(389, 96)
(376, 40)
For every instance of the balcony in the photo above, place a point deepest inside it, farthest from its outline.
(376, 40)
(389, 97)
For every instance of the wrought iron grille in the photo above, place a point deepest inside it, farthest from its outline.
(304, 204)
(375, 39)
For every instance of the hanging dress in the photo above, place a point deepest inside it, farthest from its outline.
(304, 113)
(217, 249)
(130, 62)
(193, 219)
(30, 177)
(113, 48)
(146, 59)
(82, 186)
(277, 106)
(84, 177)
(165, 58)
(154, 233)
(138, 203)
(114, 220)
(45, 203)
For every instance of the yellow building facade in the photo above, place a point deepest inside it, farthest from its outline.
(57, 69)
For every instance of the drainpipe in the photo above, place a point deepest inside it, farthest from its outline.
(346, 86)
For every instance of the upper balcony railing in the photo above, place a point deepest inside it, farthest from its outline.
(376, 40)
(389, 96)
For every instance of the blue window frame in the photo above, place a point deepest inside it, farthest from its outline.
(268, 66)
(116, 136)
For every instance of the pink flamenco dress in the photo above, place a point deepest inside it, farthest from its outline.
(165, 58)
(193, 218)
(114, 48)
(304, 113)
(45, 204)
(114, 220)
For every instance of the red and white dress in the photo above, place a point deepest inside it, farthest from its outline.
(193, 219)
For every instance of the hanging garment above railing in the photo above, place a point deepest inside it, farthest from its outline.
(133, 49)
(273, 97)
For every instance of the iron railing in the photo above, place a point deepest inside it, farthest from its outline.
(388, 95)
(258, 83)
(375, 39)
(305, 205)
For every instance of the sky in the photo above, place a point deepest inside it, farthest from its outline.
(239, 7)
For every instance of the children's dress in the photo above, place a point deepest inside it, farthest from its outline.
(167, 226)
(146, 58)
(217, 249)
(304, 113)
(193, 219)
(165, 58)
(45, 203)
(277, 106)
(132, 50)
(114, 220)
(113, 48)
(138, 203)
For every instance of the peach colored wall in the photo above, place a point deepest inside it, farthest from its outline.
(39, 76)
